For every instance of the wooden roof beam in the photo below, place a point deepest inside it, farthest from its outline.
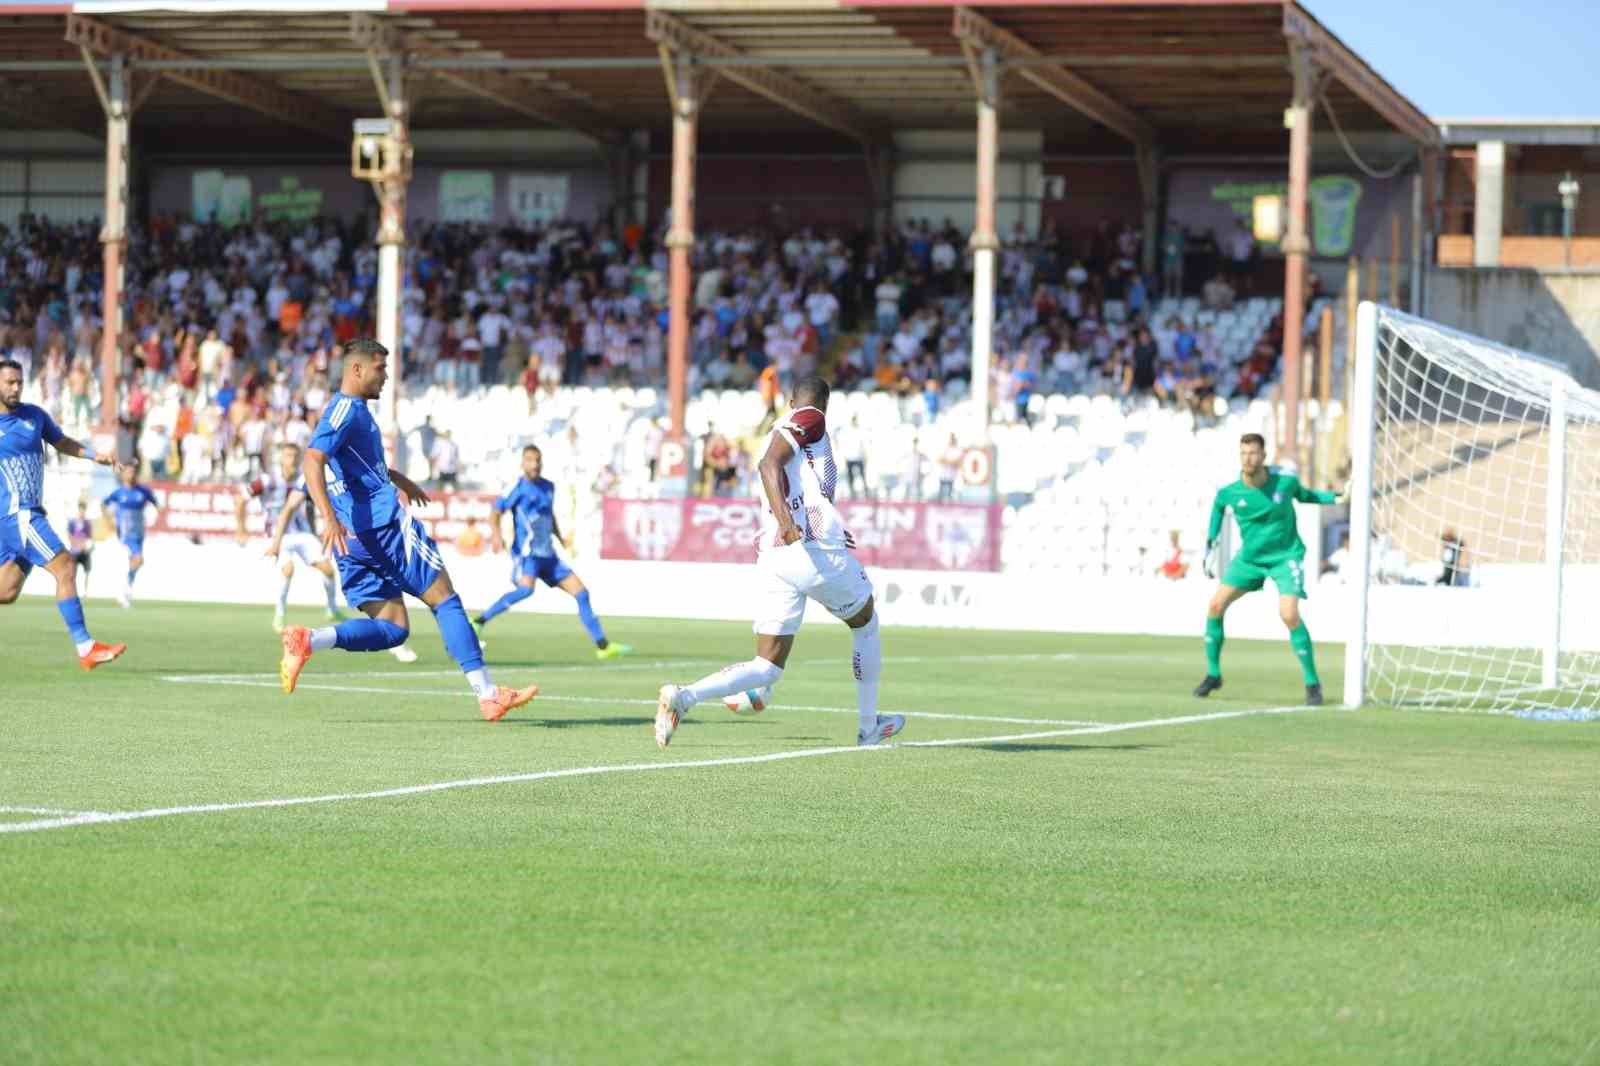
(782, 89)
(976, 31)
(1330, 54)
(510, 92)
(254, 93)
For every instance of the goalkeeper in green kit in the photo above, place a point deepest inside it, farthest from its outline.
(1262, 502)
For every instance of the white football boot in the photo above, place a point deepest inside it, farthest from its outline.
(668, 714)
(404, 653)
(888, 725)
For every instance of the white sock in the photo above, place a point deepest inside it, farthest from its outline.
(324, 639)
(756, 673)
(84, 647)
(867, 664)
(283, 596)
(479, 680)
(331, 587)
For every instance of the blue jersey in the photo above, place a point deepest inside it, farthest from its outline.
(23, 434)
(126, 506)
(363, 498)
(533, 509)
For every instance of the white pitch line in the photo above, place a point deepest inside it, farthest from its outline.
(673, 664)
(212, 679)
(42, 810)
(104, 818)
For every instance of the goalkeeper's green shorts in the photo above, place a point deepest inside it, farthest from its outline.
(1289, 575)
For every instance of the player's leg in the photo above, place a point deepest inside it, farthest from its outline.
(523, 582)
(330, 588)
(1221, 600)
(26, 541)
(568, 582)
(780, 607)
(1290, 579)
(462, 643)
(840, 583)
(135, 564)
(372, 592)
(280, 612)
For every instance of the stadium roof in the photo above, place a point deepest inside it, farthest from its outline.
(1197, 76)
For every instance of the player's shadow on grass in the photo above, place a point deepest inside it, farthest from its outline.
(567, 723)
(1016, 748)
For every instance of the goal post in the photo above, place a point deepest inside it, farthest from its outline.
(1474, 524)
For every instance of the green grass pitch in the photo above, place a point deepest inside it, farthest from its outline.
(1301, 887)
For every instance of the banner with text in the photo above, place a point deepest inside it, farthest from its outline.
(918, 536)
(209, 511)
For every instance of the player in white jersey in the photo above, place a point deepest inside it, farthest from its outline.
(291, 524)
(803, 553)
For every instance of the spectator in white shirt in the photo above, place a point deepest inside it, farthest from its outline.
(822, 308)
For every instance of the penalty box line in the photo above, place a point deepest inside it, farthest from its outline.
(251, 681)
(105, 818)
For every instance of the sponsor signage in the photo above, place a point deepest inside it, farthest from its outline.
(921, 536)
(208, 511)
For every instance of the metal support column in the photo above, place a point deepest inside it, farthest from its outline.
(985, 243)
(687, 99)
(391, 192)
(1296, 250)
(113, 93)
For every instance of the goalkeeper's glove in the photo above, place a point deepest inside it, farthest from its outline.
(1209, 563)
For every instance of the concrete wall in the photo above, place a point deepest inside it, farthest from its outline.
(1552, 313)
(938, 177)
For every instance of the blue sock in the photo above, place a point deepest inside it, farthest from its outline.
(517, 594)
(368, 634)
(459, 639)
(590, 620)
(72, 614)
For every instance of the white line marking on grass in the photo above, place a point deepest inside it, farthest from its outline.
(105, 818)
(214, 679)
(42, 810)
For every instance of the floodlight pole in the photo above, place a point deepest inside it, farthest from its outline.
(986, 81)
(113, 93)
(1296, 246)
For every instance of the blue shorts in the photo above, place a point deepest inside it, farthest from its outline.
(27, 540)
(547, 568)
(384, 563)
(135, 545)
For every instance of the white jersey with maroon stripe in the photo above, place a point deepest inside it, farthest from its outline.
(808, 482)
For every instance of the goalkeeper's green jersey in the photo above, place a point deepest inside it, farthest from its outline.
(1265, 515)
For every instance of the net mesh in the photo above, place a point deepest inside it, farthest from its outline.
(1464, 596)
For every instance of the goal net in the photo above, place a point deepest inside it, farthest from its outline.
(1474, 525)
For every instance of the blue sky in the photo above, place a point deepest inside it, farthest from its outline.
(1478, 58)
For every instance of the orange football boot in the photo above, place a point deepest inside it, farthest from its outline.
(101, 654)
(494, 708)
(296, 653)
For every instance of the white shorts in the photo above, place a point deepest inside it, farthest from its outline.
(304, 548)
(786, 577)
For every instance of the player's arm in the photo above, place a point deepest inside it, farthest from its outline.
(67, 446)
(1219, 512)
(408, 488)
(1306, 495)
(245, 494)
(149, 498)
(315, 469)
(779, 452)
(497, 513)
(555, 531)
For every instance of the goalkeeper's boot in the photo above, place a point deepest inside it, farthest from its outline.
(613, 651)
(1208, 684)
(100, 654)
(493, 708)
(888, 725)
(296, 653)
(1313, 695)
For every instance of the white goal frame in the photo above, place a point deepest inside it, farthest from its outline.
(1548, 601)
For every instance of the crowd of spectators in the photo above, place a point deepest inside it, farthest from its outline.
(231, 332)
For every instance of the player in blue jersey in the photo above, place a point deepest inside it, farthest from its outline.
(126, 505)
(382, 552)
(531, 502)
(26, 539)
